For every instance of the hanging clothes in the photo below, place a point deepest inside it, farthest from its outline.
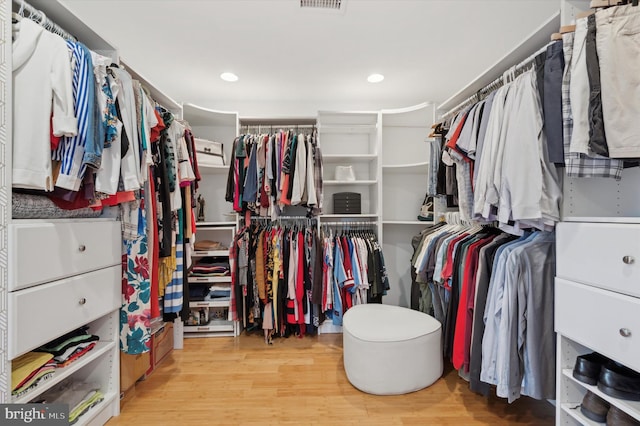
(269, 172)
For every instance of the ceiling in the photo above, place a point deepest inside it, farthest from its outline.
(426, 49)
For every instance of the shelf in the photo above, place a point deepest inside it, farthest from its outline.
(422, 167)
(600, 219)
(222, 303)
(205, 280)
(213, 326)
(211, 334)
(95, 412)
(347, 128)
(574, 411)
(213, 169)
(632, 408)
(347, 216)
(407, 222)
(352, 182)
(212, 253)
(354, 158)
(231, 224)
(60, 374)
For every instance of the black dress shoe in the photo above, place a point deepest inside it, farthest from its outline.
(619, 381)
(587, 368)
(617, 417)
(594, 407)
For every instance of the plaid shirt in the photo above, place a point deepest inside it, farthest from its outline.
(580, 165)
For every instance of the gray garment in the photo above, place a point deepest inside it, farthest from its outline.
(525, 337)
(482, 131)
(552, 104)
(485, 265)
(250, 194)
(435, 152)
(597, 138)
(439, 304)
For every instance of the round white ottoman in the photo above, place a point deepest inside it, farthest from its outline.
(389, 350)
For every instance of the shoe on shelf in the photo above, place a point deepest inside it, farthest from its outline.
(587, 367)
(617, 417)
(426, 211)
(619, 381)
(594, 407)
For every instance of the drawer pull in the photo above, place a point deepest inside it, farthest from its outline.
(82, 248)
(625, 332)
(82, 301)
(629, 260)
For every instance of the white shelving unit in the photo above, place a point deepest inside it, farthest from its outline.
(351, 139)
(216, 327)
(218, 126)
(405, 164)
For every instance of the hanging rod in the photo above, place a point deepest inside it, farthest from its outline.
(359, 223)
(481, 94)
(39, 17)
(268, 218)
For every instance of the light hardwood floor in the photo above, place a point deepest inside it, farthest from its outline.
(300, 382)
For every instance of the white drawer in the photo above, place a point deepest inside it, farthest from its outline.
(40, 314)
(605, 255)
(598, 319)
(43, 252)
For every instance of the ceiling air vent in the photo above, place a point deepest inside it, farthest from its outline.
(323, 4)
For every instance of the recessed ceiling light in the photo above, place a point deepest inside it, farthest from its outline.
(229, 76)
(375, 78)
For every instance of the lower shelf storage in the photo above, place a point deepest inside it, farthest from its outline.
(632, 408)
(60, 374)
(102, 412)
(573, 410)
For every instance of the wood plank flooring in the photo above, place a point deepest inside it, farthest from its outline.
(295, 381)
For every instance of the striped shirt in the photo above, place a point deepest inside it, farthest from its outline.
(71, 150)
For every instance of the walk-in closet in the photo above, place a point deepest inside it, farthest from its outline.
(319, 212)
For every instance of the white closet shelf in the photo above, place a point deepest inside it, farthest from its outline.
(350, 182)
(407, 222)
(422, 167)
(355, 216)
(100, 349)
(213, 326)
(574, 411)
(223, 303)
(355, 158)
(212, 253)
(204, 280)
(96, 411)
(347, 128)
(632, 408)
(213, 169)
(608, 219)
(217, 225)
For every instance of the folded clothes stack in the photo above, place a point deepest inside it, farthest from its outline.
(211, 267)
(29, 370)
(218, 292)
(70, 347)
(79, 396)
(208, 245)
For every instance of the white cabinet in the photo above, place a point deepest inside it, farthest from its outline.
(210, 316)
(67, 296)
(596, 308)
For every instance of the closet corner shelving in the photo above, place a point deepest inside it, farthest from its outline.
(218, 126)
(405, 165)
(217, 309)
(351, 139)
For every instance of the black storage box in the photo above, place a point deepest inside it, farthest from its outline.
(347, 203)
